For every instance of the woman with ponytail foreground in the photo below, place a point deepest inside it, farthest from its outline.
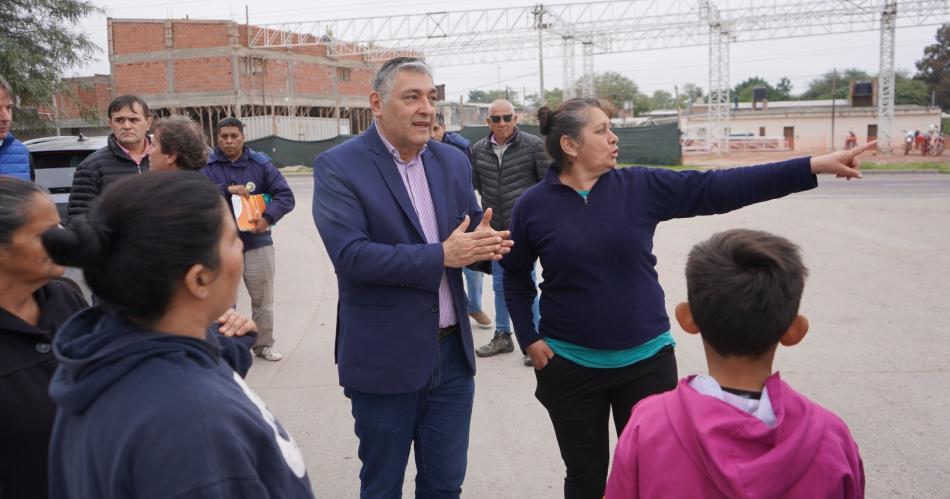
(32, 307)
(604, 340)
(147, 406)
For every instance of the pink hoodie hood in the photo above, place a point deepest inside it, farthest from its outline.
(684, 440)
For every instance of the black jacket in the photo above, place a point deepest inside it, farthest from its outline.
(97, 171)
(26, 409)
(523, 164)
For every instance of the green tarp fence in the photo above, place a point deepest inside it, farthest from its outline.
(649, 145)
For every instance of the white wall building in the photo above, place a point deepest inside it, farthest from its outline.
(807, 125)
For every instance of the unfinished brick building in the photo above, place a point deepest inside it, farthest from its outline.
(205, 69)
(80, 107)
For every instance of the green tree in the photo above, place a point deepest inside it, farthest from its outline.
(910, 91)
(934, 68)
(486, 97)
(642, 104)
(478, 96)
(552, 98)
(693, 91)
(690, 93)
(820, 88)
(780, 91)
(38, 43)
(745, 88)
(611, 86)
(661, 99)
(783, 90)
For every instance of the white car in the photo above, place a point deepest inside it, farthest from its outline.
(55, 160)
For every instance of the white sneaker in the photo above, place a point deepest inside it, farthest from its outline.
(268, 353)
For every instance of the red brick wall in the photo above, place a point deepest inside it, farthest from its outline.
(140, 78)
(214, 74)
(361, 83)
(193, 35)
(137, 37)
(312, 79)
(205, 74)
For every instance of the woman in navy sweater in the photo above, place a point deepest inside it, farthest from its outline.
(603, 342)
(148, 407)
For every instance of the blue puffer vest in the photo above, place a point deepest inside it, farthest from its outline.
(14, 158)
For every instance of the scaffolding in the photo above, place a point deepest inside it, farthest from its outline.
(508, 34)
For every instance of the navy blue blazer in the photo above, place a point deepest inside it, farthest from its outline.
(388, 276)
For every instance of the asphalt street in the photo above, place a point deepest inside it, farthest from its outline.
(877, 353)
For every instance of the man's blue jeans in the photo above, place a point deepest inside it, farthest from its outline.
(502, 319)
(434, 419)
(473, 286)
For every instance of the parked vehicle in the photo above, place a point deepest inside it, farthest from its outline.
(55, 160)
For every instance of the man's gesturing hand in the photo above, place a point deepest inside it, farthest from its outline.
(465, 248)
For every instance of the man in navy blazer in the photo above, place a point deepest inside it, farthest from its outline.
(399, 219)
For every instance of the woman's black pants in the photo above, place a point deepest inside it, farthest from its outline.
(579, 400)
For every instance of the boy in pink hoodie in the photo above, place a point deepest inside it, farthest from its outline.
(740, 432)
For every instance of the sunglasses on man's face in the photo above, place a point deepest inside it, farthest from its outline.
(497, 119)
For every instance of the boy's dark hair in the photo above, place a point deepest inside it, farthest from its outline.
(128, 101)
(744, 289)
(181, 136)
(230, 121)
(141, 236)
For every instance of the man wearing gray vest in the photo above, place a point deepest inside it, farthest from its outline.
(505, 164)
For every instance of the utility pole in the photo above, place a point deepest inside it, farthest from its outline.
(834, 87)
(539, 23)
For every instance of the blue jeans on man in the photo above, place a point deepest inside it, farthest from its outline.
(502, 342)
(434, 420)
(473, 286)
(502, 318)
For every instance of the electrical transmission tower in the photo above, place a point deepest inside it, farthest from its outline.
(885, 86)
(613, 26)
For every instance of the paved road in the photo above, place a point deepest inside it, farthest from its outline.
(878, 352)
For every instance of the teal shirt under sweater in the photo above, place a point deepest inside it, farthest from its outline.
(610, 359)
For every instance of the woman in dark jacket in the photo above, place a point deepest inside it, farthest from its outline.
(32, 307)
(147, 406)
(604, 339)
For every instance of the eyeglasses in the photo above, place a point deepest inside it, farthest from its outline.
(497, 119)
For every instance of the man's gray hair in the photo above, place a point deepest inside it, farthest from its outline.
(5, 85)
(383, 83)
(502, 102)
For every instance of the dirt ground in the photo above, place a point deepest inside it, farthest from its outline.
(752, 158)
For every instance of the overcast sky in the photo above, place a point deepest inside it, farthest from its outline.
(800, 59)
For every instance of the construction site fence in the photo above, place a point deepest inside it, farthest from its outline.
(650, 145)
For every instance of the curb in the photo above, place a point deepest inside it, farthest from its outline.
(920, 171)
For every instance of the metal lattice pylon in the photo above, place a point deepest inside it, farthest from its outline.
(568, 67)
(588, 57)
(885, 86)
(717, 121)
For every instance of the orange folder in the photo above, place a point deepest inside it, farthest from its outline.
(248, 210)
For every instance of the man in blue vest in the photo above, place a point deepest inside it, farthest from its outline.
(14, 157)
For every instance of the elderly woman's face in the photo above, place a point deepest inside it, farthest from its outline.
(24, 259)
(597, 149)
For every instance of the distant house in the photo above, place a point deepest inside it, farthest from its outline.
(807, 125)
